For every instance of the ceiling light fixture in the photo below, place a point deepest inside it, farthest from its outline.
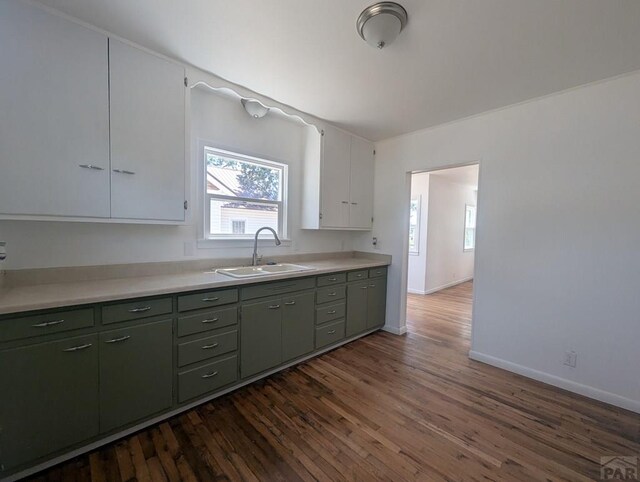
(381, 23)
(254, 108)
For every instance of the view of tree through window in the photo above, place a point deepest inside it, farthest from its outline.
(242, 187)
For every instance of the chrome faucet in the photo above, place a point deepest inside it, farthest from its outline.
(255, 243)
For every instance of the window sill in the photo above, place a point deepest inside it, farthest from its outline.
(238, 243)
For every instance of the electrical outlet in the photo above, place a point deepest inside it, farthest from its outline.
(570, 359)
(3, 250)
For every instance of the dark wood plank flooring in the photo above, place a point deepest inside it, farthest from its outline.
(385, 407)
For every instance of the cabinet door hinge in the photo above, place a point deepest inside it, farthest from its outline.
(186, 82)
(186, 205)
(322, 132)
(374, 152)
(320, 215)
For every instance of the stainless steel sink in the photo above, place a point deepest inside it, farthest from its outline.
(259, 271)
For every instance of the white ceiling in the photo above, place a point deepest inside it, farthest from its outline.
(455, 58)
(466, 175)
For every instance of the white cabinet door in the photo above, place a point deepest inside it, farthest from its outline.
(361, 192)
(147, 135)
(334, 183)
(54, 115)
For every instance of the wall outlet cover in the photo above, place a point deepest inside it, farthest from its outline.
(570, 359)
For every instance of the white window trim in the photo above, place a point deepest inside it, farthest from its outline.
(230, 240)
(464, 229)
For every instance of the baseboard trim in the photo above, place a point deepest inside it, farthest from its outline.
(395, 330)
(416, 292)
(448, 285)
(571, 386)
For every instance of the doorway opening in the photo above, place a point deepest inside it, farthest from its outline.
(441, 253)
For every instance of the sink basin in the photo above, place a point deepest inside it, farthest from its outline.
(258, 271)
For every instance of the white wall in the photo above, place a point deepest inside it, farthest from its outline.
(39, 244)
(557, 259)
(447, 263)
(417, 267)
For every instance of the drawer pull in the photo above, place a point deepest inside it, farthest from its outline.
(118, 340)
(78, 348)
(91, 166)
(372, 286)
(332, 312)
(274, 307)
(363, 287)
(331, 332)
(210, 320)
(333, 293)
(213, 298)
(142, 309)
(209, 347)
(290, 303)
(359, 275)
(209, 375)
(48, 323)
(333, 279)
(123, 171)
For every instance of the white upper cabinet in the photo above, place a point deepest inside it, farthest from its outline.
(361, 184)
(335, 174)
(147, 135)
(338, 181)
(54, 115)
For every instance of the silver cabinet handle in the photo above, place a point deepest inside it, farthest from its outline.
(331, 332)
(363, 287)
(210, 320)
(372, 286)
(78, 348)
(290, 303)
(140, 310)
(333, 279)
(118, 340)
(48, 323)
(209, 375)
(212, 298)
(332, 312)
(359, 275)
(123, 171)
(354, 204)
(91, 166)
(333, 293)
(209, 347)
(274, 307)
(345, 202)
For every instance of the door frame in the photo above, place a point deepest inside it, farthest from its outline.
(405, 249)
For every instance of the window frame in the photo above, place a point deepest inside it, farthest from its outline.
(206, 197)
(473, 228)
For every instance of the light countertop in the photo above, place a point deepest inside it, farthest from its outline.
(21, 298)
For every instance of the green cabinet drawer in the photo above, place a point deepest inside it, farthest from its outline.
(207, 299)
(49, 398)
(330, 313)
(136, 373)
(134, 310)
(208, 378)
(209, 320)
(274, 289)
(328, 334)
(358, 275)
(332, 279)
(208, 347)
(45, 324)
(331, 293)
(377, 272)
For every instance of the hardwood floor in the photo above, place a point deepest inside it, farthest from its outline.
(385, 407)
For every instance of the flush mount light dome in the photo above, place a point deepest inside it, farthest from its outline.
(381, 23)
(254, 108)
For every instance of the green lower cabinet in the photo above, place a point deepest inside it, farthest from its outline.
(357, 307)
(49, 400)
(136, 373)
(376, 302)
(298, 325)
(260, 336)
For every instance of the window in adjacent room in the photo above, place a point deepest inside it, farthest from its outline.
(242, 194)
(469, 227)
